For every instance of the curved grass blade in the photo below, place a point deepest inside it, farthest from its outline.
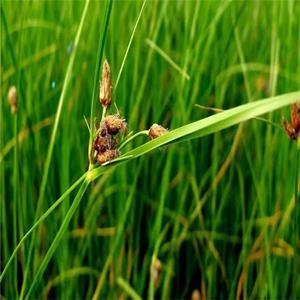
(58, 237)
(40, 220)
(53, 138)
(209, 125)
(86, 182)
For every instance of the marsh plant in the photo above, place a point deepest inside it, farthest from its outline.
(105, 142)
(210, 218)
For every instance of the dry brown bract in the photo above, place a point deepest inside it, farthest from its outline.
(293, 129)
(156, 131)
(105, 85)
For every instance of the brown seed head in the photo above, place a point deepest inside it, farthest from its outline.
(156, 131)
(105, 85)
(12, 99)
(293, 129)
(295, 116)
(112, 124)
(108, 155)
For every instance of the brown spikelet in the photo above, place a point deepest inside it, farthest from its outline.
(156, 131)
(105, 86)
(12, 99)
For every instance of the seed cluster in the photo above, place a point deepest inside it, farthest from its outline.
(105, 143)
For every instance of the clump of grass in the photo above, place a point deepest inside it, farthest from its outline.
(215, 196)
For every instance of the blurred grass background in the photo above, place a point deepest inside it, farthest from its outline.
(227, 200)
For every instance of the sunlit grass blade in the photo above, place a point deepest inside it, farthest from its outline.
(210, 125)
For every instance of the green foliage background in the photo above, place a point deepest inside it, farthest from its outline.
(227, 200)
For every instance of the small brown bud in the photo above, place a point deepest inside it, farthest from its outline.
(156, 131)
(105, 85)
(293, 129)
(107, 156)
(12, 99)
(261, 84)
(196, 295)
(113, 124)
(156, 271)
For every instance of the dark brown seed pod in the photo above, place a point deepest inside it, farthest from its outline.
(105, 86)
(293, 129)
(108, 155)
(113, 124)
(100, 144)
(103, 143)
(156, 131)
(12, 99)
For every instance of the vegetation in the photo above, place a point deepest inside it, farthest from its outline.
(209, 209)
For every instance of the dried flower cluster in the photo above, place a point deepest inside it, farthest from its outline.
(105, 144)
(12, 99)
(293, 129)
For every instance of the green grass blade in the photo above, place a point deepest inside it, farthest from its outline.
(97, 73)
(129, 44)
(39, 221)
(53, 136)
(58, 237)
(128, 289)
(210, 125)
